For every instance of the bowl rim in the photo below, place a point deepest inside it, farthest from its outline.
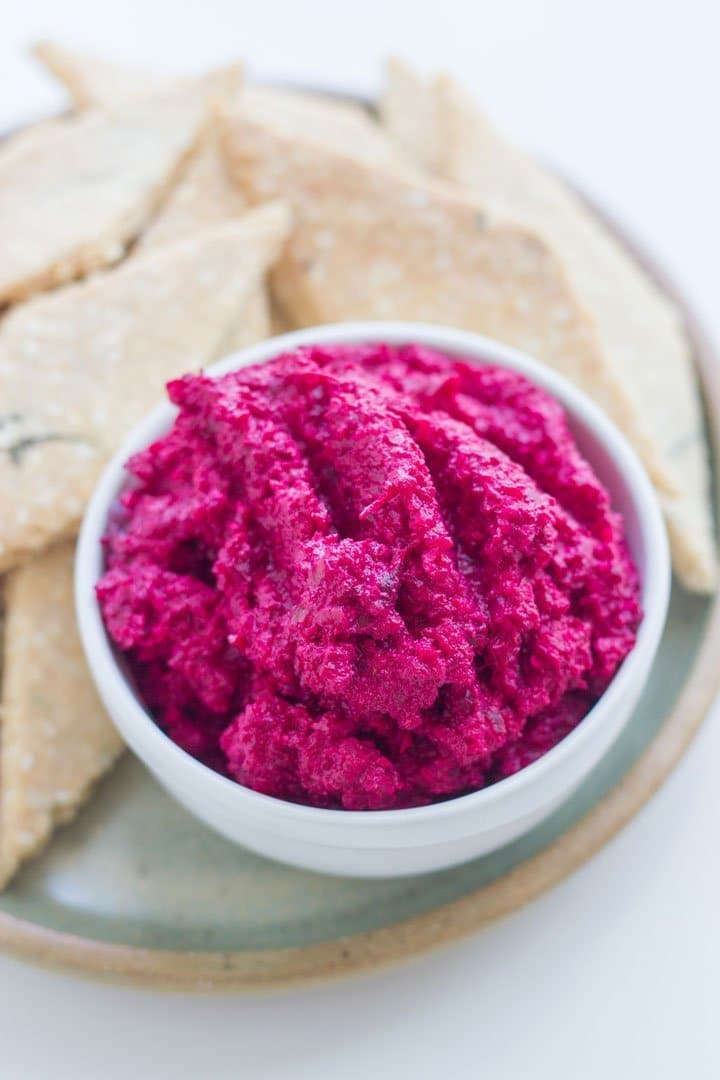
(655, 580)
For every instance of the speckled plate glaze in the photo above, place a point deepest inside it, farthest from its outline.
(137, 890)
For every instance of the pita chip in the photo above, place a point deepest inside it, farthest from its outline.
(378, 245)
(73, 197)
(56, 739)
(78, 367)
(640, 330)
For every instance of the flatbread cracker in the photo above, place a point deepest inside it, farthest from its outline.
(640, 330)
(204, 196)
(332, 123)
(56, 740)
(80, 366)
(374, 244)
(408, 111)
(72, 198)
(91, 80)
(254, 323)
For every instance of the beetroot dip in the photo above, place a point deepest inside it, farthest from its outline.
(367, 577)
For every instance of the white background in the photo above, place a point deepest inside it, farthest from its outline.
(616, 972)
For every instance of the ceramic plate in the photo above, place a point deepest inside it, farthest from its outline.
(137, 889)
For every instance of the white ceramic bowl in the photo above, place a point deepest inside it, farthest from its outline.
(392, 842)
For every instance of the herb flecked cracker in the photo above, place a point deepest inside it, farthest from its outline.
(78, 367)
(56, 739)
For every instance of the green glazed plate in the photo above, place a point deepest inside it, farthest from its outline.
(136, 889)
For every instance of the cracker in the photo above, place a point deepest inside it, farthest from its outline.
(640, 330)
(91, 80)
(73, 197)
(204, 196)
(56, 739)
(80, 366)
(253, 324)
(408, 111)
(331, 123)
(374, 244)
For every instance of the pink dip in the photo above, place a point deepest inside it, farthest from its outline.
(367, 577)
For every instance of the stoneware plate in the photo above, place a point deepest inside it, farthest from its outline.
(137, 890)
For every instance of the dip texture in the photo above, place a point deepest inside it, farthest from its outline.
(367, 577)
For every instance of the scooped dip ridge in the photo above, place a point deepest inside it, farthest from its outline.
(367, 577)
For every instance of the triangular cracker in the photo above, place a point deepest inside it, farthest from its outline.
(332, 123)
(91, 80)
(374, 244)
(408, 111)
(56, 740)
(639, 328)
(71, 200)
(253, 324)
(204, 196)
(80, 366)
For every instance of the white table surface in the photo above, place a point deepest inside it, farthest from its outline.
(616, 973)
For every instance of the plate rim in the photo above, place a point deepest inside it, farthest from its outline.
(255, 970)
